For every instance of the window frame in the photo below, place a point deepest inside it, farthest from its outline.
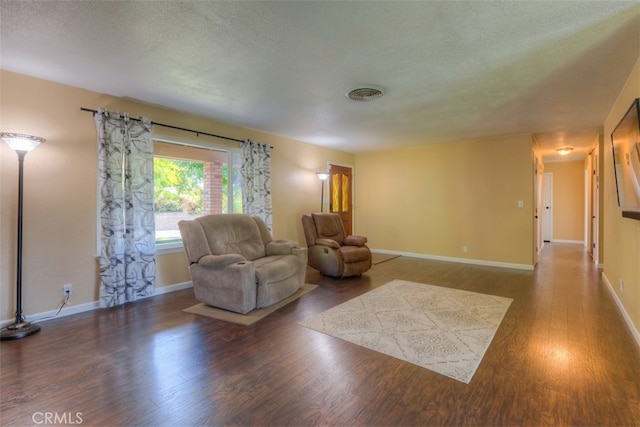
(176, 245)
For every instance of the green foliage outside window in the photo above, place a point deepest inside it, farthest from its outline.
(178, 185)
(237, 192)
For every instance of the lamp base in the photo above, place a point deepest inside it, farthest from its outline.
(18, 330)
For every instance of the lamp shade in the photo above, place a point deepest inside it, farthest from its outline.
(21, 142)
(323, 175)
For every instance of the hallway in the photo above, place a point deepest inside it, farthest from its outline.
(579, 342)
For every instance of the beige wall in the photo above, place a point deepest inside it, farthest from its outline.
(60, 188)
(621, 235)
(568, 200)
(433, 200)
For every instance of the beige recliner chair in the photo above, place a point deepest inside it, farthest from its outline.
(331, 251)
(236, 265)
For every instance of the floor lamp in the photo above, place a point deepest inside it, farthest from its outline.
(323, 177)
(22, 144)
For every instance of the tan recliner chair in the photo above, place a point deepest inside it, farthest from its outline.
(236, 265)
(331, 251)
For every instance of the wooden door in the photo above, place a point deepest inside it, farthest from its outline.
(341, 194)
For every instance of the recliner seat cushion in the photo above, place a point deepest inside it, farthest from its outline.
(354, 254)
(277, 278)
(275, 268)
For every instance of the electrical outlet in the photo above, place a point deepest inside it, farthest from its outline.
(621, 286)
(67, 290)
(465, 249)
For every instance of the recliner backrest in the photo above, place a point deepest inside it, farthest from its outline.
(233, 234)
(309, 228)
(329, 226)
(222, 234)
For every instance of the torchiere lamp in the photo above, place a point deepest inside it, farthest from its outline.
(323, 177)
(22, 144)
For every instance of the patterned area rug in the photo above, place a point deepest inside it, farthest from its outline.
(445, 330)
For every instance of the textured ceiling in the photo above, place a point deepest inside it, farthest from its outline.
(451, 70)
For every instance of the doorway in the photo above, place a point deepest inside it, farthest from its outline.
(537, 204)
(341, 194)
(547, 204)
(595, 209)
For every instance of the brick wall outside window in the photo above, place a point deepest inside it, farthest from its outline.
(212, 187)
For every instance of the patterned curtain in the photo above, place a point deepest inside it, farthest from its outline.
(256, 180)
(125, 180)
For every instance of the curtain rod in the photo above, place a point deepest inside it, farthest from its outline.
(174, 127)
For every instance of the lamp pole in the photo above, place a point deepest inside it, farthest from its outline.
(20, 328)
(323, 177)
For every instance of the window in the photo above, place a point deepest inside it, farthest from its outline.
(191, 181)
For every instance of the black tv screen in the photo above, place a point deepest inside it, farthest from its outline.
(625, 141)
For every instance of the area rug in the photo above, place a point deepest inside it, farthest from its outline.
(377, 258)
(445, 330)
(251, 317)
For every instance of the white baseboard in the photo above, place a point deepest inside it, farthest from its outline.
(458, 260)
(173, 288)
(70, 309)
(67, 310)
(625, 315)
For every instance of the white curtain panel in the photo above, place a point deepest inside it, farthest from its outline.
(256, 181)
(125, 180)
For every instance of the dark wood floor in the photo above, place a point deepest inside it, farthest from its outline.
(562, 356)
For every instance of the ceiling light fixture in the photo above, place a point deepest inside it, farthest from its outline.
(365, 93)
(563, 151)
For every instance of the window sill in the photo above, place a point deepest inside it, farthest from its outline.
(169, 248)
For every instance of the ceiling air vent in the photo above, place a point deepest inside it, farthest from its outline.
(365, 93)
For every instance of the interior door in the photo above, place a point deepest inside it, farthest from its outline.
(537, 230)
(547, 206)
(341, 194)
(595, 197)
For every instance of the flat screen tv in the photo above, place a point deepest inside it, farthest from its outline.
(625, 141)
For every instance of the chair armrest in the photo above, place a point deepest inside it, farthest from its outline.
(219, 261)
(302, 254)
(280, 247)
(328, 242)
(355, 240)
